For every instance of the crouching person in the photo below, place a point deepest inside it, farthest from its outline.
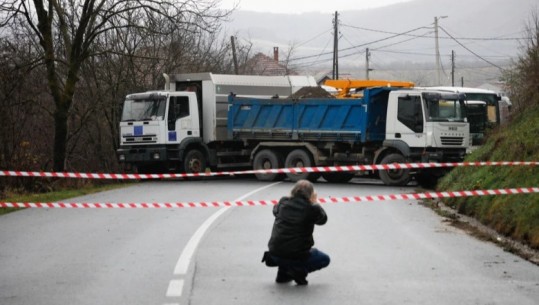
(291, 243)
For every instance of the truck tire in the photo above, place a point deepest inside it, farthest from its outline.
(300, 158)
(396, 177)
(338, 177)
(194, 162)
(268, 159)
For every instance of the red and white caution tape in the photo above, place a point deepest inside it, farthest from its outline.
(297, 170)
(170, 205)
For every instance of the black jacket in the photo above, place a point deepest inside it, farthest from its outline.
(292, 234)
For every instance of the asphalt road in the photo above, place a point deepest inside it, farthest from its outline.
(382, 252)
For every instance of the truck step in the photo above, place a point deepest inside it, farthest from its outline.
(231, 165)
(233, 153)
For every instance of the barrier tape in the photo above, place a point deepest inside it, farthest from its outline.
(296, 170)
(169, 205)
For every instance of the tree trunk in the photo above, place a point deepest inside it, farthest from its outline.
(60, 138)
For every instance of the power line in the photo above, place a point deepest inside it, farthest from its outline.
(385, 32)
(393, 35)
(430, 54)
(379, 48)
(404, 52)
(314, 37)
(460, 38)
(384, 39)
(356, 53)
(403, 41)
(317, 60)
(361, 45)
(477, 55)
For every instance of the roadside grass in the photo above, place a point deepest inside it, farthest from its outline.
(516, 216)
(63, 193)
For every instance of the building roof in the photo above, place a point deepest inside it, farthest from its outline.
(262, 64)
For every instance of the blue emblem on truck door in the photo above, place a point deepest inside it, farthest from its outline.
(172, 136)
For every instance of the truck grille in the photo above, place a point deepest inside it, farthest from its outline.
(452, 141)
(149, 139)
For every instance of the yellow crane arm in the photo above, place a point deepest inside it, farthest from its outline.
(346, 84)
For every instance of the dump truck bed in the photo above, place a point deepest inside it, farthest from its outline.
(313, 119)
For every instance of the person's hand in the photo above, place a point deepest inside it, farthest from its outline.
(314, 198)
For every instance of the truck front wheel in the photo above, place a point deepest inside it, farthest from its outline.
(268, 159)
(194, 162)
(398, 177)
(300, 158)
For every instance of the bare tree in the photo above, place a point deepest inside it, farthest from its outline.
(67, 32)
(523, 79)
(136, 63)
(288, 54)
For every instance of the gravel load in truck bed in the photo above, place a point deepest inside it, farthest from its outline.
(311, 92)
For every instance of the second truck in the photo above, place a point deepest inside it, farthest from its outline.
(207, 121)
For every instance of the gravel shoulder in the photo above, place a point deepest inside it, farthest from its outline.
(475, 228)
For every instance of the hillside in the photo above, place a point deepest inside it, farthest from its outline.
(516, 216)
(407, 57)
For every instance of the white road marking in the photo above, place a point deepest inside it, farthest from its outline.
(175, 287)
(185, 259)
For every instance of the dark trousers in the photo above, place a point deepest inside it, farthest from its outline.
(316, 261)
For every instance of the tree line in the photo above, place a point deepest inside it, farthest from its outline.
(65, 67)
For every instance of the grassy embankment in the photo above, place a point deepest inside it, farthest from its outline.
(516, 216)
(57, 195)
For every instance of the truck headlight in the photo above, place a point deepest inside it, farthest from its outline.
(156, 156)
(121, 157)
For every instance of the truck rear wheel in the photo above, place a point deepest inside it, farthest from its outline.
(398, 177)
(268, 159)
(300, 158)
(194, 162)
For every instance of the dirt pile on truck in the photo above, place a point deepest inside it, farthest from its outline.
(311, 92)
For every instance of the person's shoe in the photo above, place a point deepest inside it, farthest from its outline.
(301, 281)
(300, 277)
(283, 277)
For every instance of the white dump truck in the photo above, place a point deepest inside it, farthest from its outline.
(227, 121)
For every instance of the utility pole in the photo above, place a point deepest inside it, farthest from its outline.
(453, 68)
(234, 56)
(336, 46)
(437, 47)
(367, 64)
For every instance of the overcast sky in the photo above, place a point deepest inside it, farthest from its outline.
(303, 6)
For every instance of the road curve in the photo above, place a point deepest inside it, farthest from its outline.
(382, 252)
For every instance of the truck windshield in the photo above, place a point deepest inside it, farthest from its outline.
(445, 110)
(144, 109)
